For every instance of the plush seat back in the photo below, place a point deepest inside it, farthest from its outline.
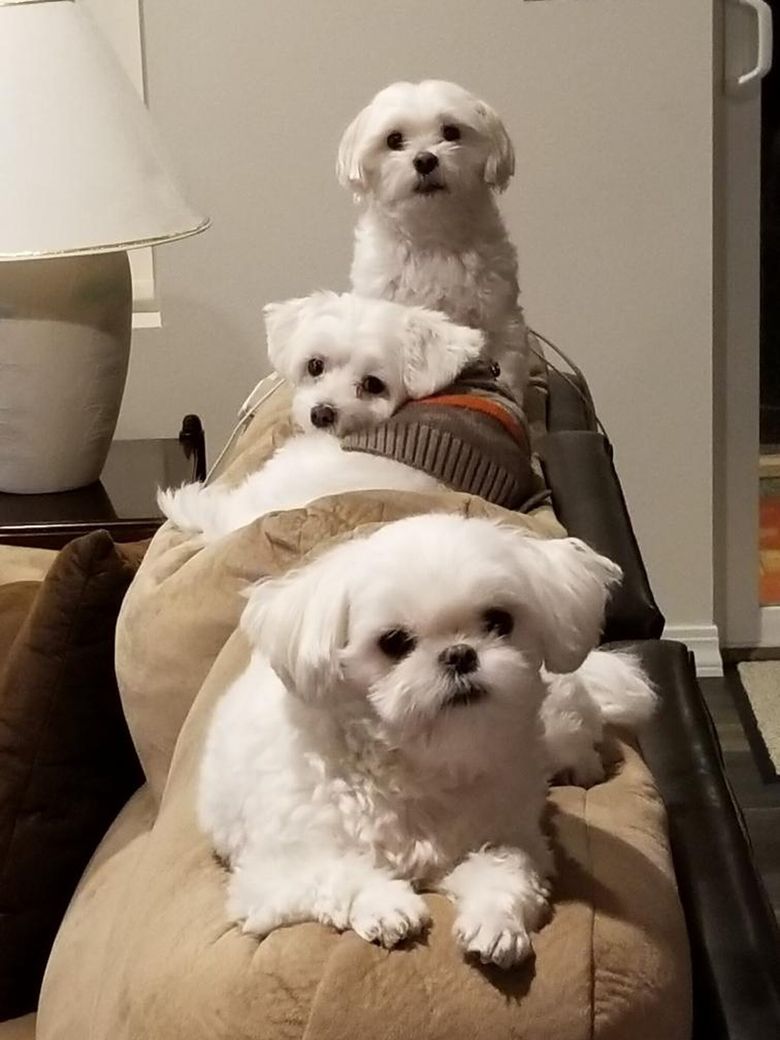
(146, 949)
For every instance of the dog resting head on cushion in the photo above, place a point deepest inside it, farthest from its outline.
(352, 363)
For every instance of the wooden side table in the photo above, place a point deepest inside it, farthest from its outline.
(122, 502)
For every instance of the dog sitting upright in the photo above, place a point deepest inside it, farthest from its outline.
(427, 159)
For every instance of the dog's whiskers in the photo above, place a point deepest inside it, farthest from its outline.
(465, 694)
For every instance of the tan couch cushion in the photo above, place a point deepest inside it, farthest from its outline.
(185, 600)
(18, 1028)
(146, 950)
(89, 934)
(19, 563)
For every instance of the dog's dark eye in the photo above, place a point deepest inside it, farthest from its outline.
(450, 132)
(315, 366)
(373, 385)
(498, 621)
(396, 643)
(395, 140)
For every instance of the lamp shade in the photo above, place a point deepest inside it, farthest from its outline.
(82, 170)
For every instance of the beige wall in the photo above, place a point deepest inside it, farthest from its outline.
(610, 106)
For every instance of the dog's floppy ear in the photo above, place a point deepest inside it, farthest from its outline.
(281, 321)
(300, 622)
(349, 162)
(500, 163)
(435, 350)
(565, 586)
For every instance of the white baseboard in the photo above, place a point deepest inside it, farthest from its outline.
(769, 634)
(703, 642)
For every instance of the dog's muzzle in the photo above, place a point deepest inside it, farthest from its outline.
(322, 416)
(461, 659)
(425, 163)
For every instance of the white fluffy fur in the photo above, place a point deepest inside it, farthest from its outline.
(305, 468)
(609, 688)
(337, 779)
(413, 351)
(437, 239)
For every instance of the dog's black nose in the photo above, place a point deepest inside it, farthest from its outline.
(425, 162)
(323, 415)
(460, 658)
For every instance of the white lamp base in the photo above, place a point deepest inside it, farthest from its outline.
(64, 349)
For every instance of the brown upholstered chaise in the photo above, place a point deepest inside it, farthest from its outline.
(145, 951)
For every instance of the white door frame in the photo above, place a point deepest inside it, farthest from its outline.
(737, 199)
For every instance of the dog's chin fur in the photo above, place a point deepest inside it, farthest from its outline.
(445, 248)
(337, 775)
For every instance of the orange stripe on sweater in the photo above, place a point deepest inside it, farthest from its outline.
(482, 404)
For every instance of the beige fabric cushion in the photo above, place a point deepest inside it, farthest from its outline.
(19, 563)
(270, 427)
(185, 600)
(146, 950)
(18, 1028)
(88, 934)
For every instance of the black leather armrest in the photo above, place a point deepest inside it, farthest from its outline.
(588, 500)
(569, 403)
(735, 948)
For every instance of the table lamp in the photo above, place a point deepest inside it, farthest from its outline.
(82, 180)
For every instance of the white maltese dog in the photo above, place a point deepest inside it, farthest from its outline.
(387, 734)
(352, 363)
(427, 159)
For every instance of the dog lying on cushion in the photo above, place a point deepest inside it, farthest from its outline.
(354, 363)
(391, 732)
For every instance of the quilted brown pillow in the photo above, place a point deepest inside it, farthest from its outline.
(67, 764)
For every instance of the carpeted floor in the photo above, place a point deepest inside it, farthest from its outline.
(760, 681)
(769, 540)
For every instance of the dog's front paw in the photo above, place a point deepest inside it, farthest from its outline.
(260, 922)
(259, 909)
(499, 940)
(259, 918)
(388, 911)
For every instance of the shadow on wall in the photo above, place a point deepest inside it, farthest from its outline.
(161, 386)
